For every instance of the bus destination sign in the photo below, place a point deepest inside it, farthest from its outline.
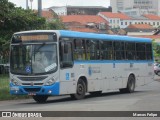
(34, 37)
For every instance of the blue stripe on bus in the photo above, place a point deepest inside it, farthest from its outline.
(55, 88)
(67, 33)
(111, 61)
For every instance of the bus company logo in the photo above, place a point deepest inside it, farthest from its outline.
(89, 70)
(67, 76)
(6, 114)
(21, 114)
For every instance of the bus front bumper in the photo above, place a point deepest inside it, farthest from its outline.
(35, 90)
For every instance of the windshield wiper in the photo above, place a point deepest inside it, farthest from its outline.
(37, 50)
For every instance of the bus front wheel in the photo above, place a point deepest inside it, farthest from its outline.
(81, 90)
(40, 98)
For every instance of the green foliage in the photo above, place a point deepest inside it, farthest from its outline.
(14, 19)
(4, 90)
(156, 49)
(55, 24)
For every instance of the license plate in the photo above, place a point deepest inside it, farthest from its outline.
(15, 88)
(31, 94)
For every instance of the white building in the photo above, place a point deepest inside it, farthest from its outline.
(116, 20)
(136, 7)
(59, 10)
(120, 20)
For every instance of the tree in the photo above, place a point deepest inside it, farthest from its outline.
(156, 49)
(55, 24)
(14, 19)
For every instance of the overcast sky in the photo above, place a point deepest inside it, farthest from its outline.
(49, 3)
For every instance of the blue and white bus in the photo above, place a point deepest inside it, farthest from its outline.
(57, 62)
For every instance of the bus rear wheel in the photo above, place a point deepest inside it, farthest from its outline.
(40, 98)
(81, 90)
(130, 85)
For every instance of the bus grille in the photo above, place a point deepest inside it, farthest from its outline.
(32, 89)
(33, 78)
(29, 84)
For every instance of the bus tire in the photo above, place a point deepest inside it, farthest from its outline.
(131, 84)
(40, 98)
(96, 93)
(81, 90)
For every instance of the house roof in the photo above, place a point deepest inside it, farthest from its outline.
(136, 17)
(152, 17)
(139, 30)
(70, 6)
(84, 19)
(149, 36)
(140, 26)
(115, 15)
(84, 30)
(47, 14)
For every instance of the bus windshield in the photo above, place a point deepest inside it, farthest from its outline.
(33, 59)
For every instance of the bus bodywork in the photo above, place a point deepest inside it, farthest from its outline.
(78, 63)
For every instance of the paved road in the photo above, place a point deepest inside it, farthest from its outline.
(145, 98)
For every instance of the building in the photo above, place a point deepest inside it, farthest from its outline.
(86, 10)
(79, 10)
(136, 7)
(116, 20)
(121, 20)
(47, 14)
(85, 23)
(59, 10)
(139, 29)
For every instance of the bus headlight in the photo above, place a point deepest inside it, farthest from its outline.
(50, 81)
(15, 82)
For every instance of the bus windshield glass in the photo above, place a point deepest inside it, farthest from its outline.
(33, 58)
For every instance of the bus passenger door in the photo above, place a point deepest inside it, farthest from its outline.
(117, 66)
(66, 76)
(117, 80)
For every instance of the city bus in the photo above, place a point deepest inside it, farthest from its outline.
(47, 63)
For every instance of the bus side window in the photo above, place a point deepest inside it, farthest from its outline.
(79, 49)
(107, 50)
(140, 49)
(93, 49)
(130, 51)
(66, 59)
(119, 50)
(149, 51)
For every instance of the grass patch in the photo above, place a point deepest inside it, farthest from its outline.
(4, 90)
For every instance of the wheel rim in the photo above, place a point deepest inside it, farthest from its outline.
(131, 85)
(80, 89)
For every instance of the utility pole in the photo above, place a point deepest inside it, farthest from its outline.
(26, 4)
(31, 3)
(39, 8)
